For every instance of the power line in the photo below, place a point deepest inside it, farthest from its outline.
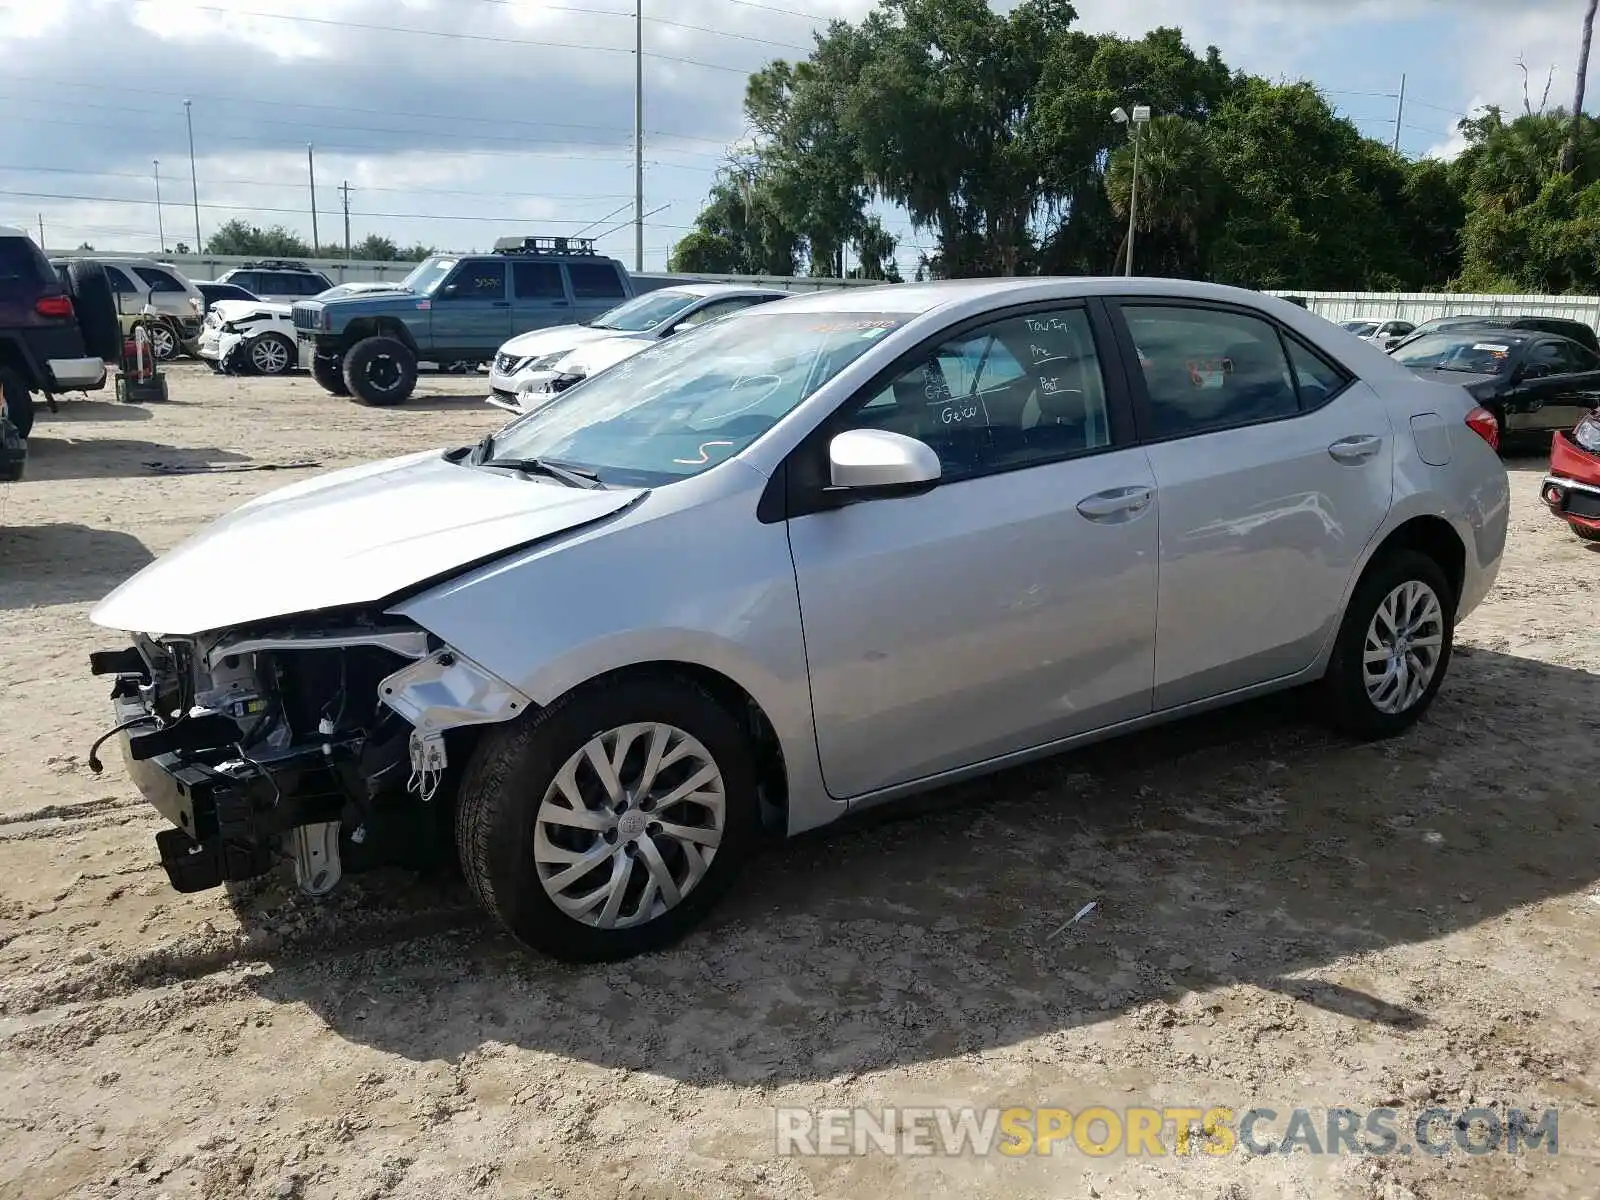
(596, 12)
(465, 37)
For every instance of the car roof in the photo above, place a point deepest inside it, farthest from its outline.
(919, 298)
(1504, 333)
(719, 289)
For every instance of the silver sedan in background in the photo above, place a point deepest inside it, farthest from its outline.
(800, 561)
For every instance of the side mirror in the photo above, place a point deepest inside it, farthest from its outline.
(875, 460)
(1535, 371)
(450, 289)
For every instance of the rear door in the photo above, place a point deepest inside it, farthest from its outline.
(539, 296)
(1273, 470)
(471, 311)
(596, 287)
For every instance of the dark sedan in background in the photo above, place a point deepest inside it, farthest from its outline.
(1531, 381)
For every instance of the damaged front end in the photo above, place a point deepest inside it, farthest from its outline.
(318, 740)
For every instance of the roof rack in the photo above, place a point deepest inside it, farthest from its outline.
(544, 245)
(276, 264)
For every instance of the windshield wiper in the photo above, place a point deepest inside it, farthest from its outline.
(578, 477)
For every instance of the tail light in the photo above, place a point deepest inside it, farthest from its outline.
(1483, 423)
(53, 306)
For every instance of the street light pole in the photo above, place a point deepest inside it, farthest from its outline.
(161, 229)
(1141, 116)
(194, 180)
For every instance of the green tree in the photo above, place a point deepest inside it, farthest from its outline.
(239, 237)
(375, 248)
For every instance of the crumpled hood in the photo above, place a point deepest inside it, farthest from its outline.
(538, 342)
(349, 537)
(235, 310)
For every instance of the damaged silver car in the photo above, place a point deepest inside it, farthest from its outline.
(832, 551)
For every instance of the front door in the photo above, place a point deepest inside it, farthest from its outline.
(470, 313)
(1275, 469)
(1562, 378)
(1010, 605)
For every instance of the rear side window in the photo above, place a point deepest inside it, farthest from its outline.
(595, 281)
(1208, 369)
(538, 280)
(159, 281)
(120, 283)
(1318, 380)
(22, 268)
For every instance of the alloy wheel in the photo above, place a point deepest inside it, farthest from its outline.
(162, 344)
(269, 356)
(629, 825)
(1404, 641)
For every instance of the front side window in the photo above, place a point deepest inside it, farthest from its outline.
(1209, 369)
(644, 312)
(595, 281)
(685, 404)
(479, 281)
(1012, 393)
(159, 281)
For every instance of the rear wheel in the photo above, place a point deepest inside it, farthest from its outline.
(19, 402)
(271, 354)
(163, 341)
(328, 370)
(609, 823)
(380, 371)
(1393, 648)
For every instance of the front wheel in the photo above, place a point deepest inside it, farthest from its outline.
(1587, 533)
(19, 402)
(328, 370)
(271, 354)
(1393, 647)
(380, 371)
(609, 823)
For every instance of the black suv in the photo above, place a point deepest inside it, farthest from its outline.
(277, 279)
(55, 336)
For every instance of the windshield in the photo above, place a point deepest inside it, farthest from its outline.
(1362, 328)
(690, 402)
(1474, 355)
(427, 275)
(644, 312)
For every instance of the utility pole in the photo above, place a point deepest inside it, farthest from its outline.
(344, 190)
(1399, 112)
(41, 231)
(311, 173)
(638, 135)
(161, 229)
(188, 116)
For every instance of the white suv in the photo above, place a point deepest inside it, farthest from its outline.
(278, 280)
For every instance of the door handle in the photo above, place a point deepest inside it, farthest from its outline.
(1355, 449)
(1114, 502)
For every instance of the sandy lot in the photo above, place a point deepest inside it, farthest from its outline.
(1283, 920)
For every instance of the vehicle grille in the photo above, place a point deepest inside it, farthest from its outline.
(503, 363)
(304, 318)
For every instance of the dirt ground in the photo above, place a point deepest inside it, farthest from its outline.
(1282, 919)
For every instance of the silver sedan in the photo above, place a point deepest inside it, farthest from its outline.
(798, 562)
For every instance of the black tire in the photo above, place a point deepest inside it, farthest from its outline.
(329, 372)
(290, 357)
(19, 402)
(1583, 531)
(380, 371)
(505, 783)
(1349, 705)
(96, 307)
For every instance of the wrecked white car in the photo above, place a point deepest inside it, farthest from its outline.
(798, 561)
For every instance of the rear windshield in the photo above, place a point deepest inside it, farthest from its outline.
(23, 268)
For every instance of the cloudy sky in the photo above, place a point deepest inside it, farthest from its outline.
(457, 121)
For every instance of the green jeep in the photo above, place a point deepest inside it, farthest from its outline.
(453, 308)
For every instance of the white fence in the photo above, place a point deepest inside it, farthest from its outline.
(340, 270)
(1417, 307)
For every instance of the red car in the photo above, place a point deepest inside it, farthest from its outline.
(1572, 488)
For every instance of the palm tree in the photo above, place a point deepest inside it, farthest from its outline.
(1177, 190)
